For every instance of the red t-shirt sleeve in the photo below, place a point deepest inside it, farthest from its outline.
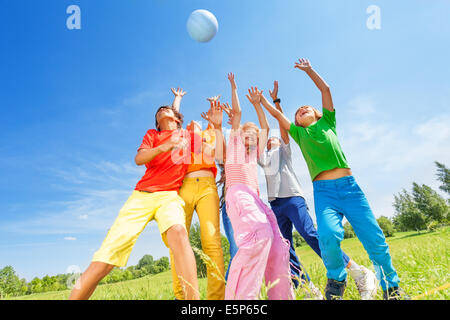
(147, 142)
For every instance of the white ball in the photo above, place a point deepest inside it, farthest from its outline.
(202, 25)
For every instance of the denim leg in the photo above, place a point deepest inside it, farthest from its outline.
(285, 225)
(330, 230)
(358, 213)
(230, 236)
(303, 223)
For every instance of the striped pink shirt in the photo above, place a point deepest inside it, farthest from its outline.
(240, 168)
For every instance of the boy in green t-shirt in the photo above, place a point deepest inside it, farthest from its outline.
(336, 193)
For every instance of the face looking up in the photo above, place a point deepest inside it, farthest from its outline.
(306, 116)
(164, 116)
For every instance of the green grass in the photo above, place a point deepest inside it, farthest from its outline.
(421, 260)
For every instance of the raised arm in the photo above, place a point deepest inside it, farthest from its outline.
(327, 100)
(179, 94)
(274, 95)
(254, 96)
(236, 106)
(284, 122)
(215, 116)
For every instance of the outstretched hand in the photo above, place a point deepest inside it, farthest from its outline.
(215, 98)
(232, 81)
(214, 115)
(274, 93)
(254, 96)
(303, 64)
(178, 92)
(229, 111)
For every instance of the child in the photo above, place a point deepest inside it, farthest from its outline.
(154, 198)
(287, 201)
(336, 193)
(199, 193)
(262, 251)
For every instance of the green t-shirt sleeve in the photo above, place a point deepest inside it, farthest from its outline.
(294, 132)
(330, 118)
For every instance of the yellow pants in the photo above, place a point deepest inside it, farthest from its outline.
(200, 194)
(166, 207)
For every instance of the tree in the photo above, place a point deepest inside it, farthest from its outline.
(408, 216)
(430, 203)
(297, 240)
(163, 263)
(443, 175)
(146, 261)
(348, 231)
(10, 284)
(387, 226)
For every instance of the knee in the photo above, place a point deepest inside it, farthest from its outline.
(330, 236)
(177, 234)
(101, 269)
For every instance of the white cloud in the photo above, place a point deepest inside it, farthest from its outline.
(362, 105)
(96, 192)
(70, 238)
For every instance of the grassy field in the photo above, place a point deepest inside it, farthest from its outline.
(422, 261)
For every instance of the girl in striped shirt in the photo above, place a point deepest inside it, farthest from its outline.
(263, 252)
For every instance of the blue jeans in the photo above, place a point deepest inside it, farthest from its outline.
(336, 199)
(230, 236)
(290, 212)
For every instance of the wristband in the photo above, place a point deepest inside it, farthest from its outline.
(277, 100)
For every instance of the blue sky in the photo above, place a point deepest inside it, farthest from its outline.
(76, 103)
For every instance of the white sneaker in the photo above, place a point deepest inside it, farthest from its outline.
(367, 284)
(316, 294)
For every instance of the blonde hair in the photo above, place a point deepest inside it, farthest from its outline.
(248, 125)
(317, 114)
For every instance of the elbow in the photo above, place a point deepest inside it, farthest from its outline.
(138, 161)
(326, 89)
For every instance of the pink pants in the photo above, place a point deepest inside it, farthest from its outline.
(263, 252)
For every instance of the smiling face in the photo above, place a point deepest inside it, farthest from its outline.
(306, 115)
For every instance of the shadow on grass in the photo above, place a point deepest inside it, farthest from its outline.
(422, 233)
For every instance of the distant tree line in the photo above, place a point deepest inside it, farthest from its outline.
(11, 285)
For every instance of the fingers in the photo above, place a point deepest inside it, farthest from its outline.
(204, 116)
(178, 92)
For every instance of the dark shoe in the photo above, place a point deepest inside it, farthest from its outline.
(395, 293)
(335, 289)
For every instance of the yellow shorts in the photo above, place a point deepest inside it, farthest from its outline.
(166, 207)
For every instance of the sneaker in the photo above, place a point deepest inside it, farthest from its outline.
(367, 284)
(313, 292)
(335, 289)
(395, 293)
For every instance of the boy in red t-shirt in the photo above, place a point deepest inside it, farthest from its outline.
(165, 153)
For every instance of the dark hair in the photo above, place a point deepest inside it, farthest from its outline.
(177, 114)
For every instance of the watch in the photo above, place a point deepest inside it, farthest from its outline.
(277, 100)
